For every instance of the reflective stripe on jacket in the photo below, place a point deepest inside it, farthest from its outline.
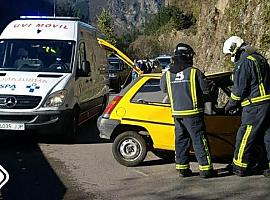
(185, 90)
(251, 80)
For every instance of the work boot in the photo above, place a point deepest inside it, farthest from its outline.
(239, 172)
(185, 173)
(208, 173)
(246, 172)
(266, 173)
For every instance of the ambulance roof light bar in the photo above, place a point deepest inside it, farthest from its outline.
(50, 17)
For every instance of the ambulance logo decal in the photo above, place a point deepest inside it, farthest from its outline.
(8, 86)
(32, 87)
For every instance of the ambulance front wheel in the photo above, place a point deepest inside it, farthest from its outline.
(72, 128)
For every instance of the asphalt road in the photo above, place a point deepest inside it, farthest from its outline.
(43, 167)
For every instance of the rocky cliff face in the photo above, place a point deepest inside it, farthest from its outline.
(248, 19)
(217, 20)
(130, 15)
(127, 15)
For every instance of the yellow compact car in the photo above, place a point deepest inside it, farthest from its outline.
(139, 120)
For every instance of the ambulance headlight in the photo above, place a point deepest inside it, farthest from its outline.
(56, 99)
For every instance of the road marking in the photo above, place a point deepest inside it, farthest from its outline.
(142, 173)
(4, 176)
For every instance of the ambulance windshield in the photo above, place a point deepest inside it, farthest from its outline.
(36, 55)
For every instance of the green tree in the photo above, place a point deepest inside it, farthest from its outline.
(104, 25)
(124, 40)
(170, 17)
(65, 8)
(144, 46)
(69, 8)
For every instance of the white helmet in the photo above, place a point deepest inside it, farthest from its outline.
(231, 45)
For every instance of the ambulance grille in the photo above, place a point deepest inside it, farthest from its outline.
(19, 101)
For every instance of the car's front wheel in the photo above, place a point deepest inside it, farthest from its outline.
(72, 128)
(129, 148)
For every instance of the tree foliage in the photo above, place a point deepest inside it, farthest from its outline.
(167, 19)
(69, 8)
(144, 46)
(123, 41)
(65, 8)
(105, 26)
(170, 17)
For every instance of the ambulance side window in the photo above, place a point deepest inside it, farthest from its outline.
(81, 58)
(150, 92)
(2, 53)
(82, 53)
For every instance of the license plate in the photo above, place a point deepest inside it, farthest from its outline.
(11, 126)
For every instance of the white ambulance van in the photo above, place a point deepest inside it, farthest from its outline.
(53, 75)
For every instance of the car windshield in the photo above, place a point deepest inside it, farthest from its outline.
(114, 65)
(164, 62)
(36, 55)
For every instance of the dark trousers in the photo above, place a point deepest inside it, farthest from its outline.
(255, 126)
(191, 130)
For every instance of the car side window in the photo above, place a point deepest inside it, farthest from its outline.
(150, 92)
(222, 98)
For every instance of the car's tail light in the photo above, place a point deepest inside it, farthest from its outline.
(111, 106)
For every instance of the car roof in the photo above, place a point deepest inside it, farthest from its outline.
(208, 75)
(221, 79)
(113, 58)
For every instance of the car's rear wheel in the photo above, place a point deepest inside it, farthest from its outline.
(129, 148)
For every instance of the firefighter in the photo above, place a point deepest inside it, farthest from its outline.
(185, 86)
(251, 90)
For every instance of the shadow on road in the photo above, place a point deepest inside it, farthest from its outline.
(221, 171)
(88, 134)
(31, 176)
(154, 162)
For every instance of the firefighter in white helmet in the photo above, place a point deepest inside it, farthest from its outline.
(251, 91)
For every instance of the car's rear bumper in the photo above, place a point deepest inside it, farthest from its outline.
(106, 127)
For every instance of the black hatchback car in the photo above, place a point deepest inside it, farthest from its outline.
(119, 74)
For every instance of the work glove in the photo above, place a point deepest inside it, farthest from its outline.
(231, 107)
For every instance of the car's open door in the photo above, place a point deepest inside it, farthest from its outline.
(119, 54)
(221, 128)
